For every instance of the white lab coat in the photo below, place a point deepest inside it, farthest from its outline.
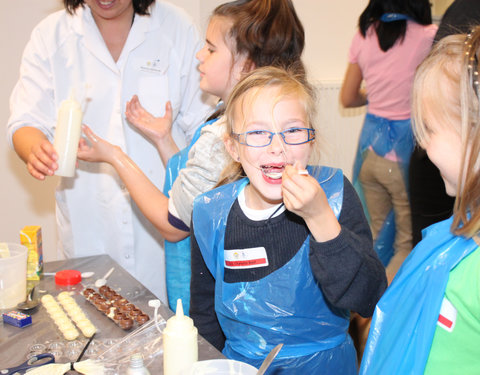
(95, 214)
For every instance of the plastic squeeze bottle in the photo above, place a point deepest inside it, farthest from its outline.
(67, 135)
(180, 346)
(136, 366)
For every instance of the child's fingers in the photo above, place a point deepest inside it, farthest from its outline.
(291, 201)
(292, 180)
(90, 134)
(168, 111)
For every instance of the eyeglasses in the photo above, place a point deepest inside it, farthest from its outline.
(263, 138)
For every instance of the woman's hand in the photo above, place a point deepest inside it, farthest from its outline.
(303, 195)
(99, 149)
(154, 128)
(42, 160)
(36, 151)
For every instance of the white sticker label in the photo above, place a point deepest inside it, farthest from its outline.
(447, 316)
(246, 258)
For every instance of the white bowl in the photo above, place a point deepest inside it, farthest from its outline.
(222, 367)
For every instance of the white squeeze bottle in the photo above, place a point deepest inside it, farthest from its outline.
(67, 135)
(180, 346)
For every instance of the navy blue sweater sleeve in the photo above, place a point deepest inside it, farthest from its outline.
(202, 298)
(349, 271)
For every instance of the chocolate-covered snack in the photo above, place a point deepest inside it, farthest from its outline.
(120, 302)
(116, 307)
(142, 318)
(125, 323)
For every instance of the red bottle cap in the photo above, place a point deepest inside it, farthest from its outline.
(68, 277)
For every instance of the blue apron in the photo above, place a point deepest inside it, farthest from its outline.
(286, 306)
(177, 254)
(383, 136)
(405, 319)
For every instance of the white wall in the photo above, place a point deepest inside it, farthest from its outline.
(24, 201)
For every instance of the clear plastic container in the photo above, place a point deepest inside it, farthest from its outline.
(13, 275)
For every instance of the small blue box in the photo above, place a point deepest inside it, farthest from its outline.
(17, 319)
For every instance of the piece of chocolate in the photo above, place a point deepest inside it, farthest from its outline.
(125, 323)
(142, 318)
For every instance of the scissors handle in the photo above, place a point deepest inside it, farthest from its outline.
(38, 360)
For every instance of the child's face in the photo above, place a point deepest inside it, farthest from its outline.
(444, 148)
(264, 165)
(218, 70)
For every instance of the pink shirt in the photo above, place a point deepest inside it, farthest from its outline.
(389, 75)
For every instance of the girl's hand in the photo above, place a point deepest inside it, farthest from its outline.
(154, 128)
(303, 195)
(99, 149)
(42, 160)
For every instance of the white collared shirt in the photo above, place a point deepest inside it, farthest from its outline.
(95, 214)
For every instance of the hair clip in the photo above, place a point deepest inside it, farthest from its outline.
(392, 17)
(471, 45)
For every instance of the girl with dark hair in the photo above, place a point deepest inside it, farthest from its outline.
(105, 52)
(394, 36)
(241, 36)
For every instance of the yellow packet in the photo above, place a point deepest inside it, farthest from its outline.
(31, 237)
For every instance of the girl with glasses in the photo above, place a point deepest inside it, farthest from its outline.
(283, 252)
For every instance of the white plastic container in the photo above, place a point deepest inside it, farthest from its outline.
(222, 367)
(180, 345)
(13, 275)
(67, 135)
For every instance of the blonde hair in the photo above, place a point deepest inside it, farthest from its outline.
(290, 83)
(443, 92)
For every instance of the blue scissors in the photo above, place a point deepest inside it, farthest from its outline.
(38, 360)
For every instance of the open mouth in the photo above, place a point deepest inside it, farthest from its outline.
(106, 3)
(273, 171)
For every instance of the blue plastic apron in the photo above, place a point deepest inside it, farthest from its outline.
(405, 319)
(286, 306)
(177, 254)
(384, 136)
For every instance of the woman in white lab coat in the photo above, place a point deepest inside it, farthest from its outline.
(107, 51)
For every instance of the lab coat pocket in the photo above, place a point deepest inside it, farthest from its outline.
(153, 85)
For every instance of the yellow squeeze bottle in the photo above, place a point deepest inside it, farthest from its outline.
(67, 135)
(180, 345)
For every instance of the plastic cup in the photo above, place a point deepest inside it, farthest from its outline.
(222, 367)
(13, 276)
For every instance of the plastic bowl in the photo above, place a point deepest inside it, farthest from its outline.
(13, 276)
(222, 367)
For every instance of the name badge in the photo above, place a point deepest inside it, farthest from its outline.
(447, 316)
(156, 66)
(246, 258)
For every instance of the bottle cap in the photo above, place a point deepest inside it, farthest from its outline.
(68, 277)
(179, 322)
